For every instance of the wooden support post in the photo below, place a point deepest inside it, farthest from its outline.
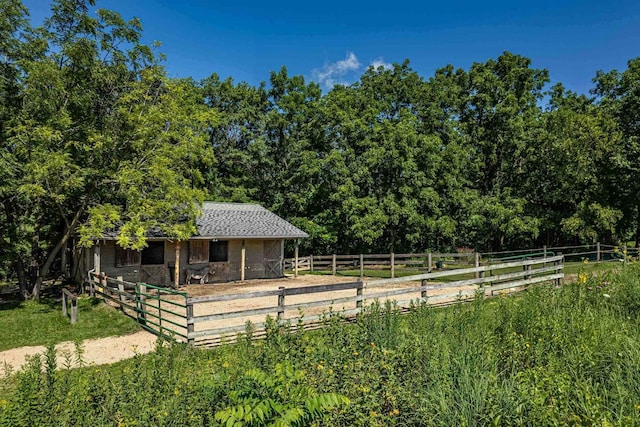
(359, 292)
(243, 260)
(104, 283)
(477, 264)
(176, 271)
(429, 262)
(96, 258)
(393, 265)
(311, 263)
(159, 310)
(544, 251)
(598, 252)
(281, 303)
(423, 291)
(121, 291)
(142, 303)
(190, 324)
(74, 310)
(333, 265)
(295, 260)
(361, 267)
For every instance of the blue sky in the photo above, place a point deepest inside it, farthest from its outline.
(334, 41)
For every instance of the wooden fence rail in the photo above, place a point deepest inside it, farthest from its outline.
(207, 328)
(431, 260)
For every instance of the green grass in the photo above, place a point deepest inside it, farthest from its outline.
(27, 323)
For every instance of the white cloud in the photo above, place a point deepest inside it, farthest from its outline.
(336, 72)
(379, 62)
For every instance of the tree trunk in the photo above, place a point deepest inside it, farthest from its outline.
(638, 226)
(22, 277)
(35, 293)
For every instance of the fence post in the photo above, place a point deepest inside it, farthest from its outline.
(359, 293)
(159, 311)
(598, 251)
(92, 287)
(281, 302)
(477, 264)
(121, 291)
(429, 262)
(141, 290)
(361, 267)
(393, 265)
(295, 268)
(104, 284)
(74, 310)
(333, 265)
(423, 291)
(311, 263)
(190, 324)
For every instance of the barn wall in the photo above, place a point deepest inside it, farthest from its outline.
(262, 261)
(108, 263)
(254, 259)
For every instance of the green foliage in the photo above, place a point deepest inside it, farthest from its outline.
(548, 356)
(280, 399)
(95, 137)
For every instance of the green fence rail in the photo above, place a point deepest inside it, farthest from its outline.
(159, 310)
(154, 314)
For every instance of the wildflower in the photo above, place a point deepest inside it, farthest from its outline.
(176, 392)
(585, 261)
(373, 414)
(394, 412)
(225, 364)
(320, 367)
(582, 278)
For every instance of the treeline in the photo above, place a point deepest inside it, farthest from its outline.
(489, 158)
(95, 136)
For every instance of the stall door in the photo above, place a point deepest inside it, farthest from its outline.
(272, 259)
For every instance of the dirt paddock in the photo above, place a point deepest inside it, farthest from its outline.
(268, 304)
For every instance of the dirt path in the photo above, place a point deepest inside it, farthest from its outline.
(99, 351)
(113, 349)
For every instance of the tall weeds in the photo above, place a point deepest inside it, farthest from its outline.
(547, 356)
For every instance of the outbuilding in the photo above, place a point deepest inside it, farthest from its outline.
(235, 241)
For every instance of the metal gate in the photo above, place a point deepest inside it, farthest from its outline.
(162, 311)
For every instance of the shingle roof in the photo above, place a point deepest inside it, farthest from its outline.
(243, 221)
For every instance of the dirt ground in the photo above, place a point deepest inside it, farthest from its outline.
(269, 303)
(98, 351)
(112, 349)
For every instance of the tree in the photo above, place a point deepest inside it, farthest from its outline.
(103, 139)
(619, 95)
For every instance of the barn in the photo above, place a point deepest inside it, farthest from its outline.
(234, 241)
